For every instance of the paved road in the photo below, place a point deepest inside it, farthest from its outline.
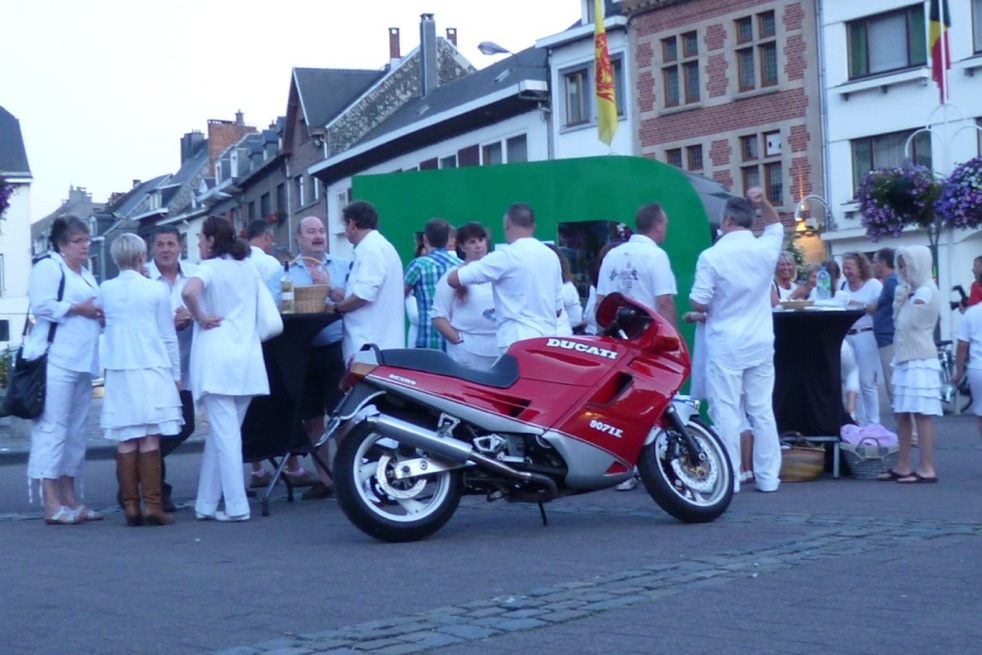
(832, 566)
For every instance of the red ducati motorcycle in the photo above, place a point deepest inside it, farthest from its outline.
(553, 417)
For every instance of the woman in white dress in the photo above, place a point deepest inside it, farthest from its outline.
(864, 289)
(143, 379)
(227, 367)
(466, 319)
(916, 370)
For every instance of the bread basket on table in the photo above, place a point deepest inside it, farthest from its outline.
(310, 299)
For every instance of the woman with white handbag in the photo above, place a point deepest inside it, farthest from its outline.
(227, 369)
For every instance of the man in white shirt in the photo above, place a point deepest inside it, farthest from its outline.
(261, 242)
(640, 269)
(525, 277)
(732, 287)
(374, 295)
(167, 268)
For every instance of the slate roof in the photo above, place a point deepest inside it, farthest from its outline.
(13, 156)
(530, 64)
(326, 92)
(130, 201)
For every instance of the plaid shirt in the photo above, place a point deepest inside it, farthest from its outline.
(422, 274)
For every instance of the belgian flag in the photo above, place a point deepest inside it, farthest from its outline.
(939, 22)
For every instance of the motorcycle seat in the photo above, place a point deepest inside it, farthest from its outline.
(502, 374)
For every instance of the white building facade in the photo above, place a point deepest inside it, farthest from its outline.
(882, 108)
(15, 231)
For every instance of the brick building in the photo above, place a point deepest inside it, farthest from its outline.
(730, 89)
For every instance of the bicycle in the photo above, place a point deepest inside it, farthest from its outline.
(954, 400)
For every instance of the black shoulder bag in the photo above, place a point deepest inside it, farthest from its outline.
(28, 381)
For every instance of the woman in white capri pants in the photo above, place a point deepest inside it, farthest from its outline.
(864, 289)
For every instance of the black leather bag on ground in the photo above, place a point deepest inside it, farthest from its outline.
(28, 381)
(26, 387)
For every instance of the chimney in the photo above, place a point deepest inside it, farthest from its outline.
(239, 118)
(452, 35)
(191, 144)
(429, 74)
(136, 183)
(395, 53)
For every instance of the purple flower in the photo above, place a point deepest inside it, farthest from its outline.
(960, 202)
(890, 198)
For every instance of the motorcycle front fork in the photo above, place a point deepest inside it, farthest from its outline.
(696, 454)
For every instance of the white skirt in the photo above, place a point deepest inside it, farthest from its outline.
(139, 403)
(917, 386)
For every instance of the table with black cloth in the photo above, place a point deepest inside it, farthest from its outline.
(807, 373)
(273, 426)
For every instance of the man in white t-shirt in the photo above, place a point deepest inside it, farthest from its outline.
(732, 286)
(640, 269)
(526, 280)
(261, 241)
(374, 294)
(968, 355)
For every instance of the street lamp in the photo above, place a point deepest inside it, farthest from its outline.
(492, 48)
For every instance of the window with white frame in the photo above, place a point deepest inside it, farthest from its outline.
(301, 190)
(887, 150)
(449, 162)
(756, 54)
(887, 42)
(578, 92)
(673, 156)
(693, 157)
(761, 165)
(977, 26)
(505, 151)
(680, 69)
(576, 98)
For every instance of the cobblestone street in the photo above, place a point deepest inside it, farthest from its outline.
(832, 566)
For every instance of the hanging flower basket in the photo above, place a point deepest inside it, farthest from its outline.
(891, 198)
(960, 203)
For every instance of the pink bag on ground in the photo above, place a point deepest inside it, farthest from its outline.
(853, 434)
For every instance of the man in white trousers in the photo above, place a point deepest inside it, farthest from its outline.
(731, 287)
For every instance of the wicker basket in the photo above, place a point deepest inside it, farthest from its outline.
(866, 461)
(800, 460)
(310, 299)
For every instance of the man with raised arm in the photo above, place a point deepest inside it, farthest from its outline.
(732, 288)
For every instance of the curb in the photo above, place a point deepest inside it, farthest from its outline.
(97, 453)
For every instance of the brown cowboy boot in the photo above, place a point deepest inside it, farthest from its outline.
(153, 514)
(128, 475)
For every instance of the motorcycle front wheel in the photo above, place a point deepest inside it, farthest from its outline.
(693, 494)
(379, 504)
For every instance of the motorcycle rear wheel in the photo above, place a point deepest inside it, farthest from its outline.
(390, 510)
(692, 495)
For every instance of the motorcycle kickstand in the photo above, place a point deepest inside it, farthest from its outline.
(542, 511)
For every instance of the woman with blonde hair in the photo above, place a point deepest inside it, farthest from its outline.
(143, 379)
(916, 370)
(227, 367)
(863, 289)
(784, 287)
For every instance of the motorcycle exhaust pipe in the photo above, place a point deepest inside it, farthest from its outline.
(453, 449)
(417, 437)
